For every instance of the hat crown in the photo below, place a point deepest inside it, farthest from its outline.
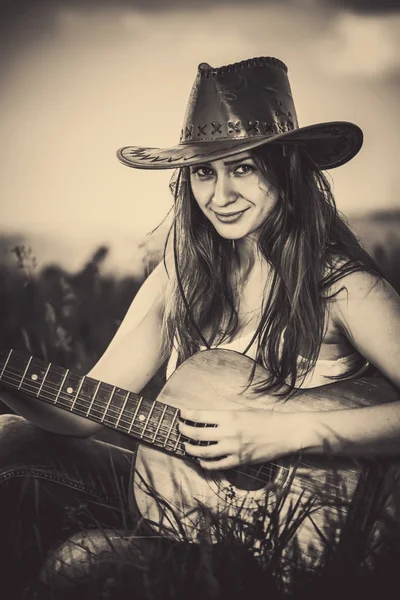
(242, 100)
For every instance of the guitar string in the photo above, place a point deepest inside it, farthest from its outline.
(84, 401)
(117, 411)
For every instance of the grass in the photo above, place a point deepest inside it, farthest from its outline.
(121, 565)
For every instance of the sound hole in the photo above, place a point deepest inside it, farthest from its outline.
(252, 477)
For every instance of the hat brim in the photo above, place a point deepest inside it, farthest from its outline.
(329, 145)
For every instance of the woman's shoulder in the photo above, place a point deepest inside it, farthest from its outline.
(358, 290)
(343, 275)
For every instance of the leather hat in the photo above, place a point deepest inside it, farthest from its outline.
(238, 107)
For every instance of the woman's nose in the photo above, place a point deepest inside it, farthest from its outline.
(224, 192)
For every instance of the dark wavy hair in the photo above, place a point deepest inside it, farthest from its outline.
(308, 245)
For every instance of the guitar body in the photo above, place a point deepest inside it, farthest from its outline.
(218, 379)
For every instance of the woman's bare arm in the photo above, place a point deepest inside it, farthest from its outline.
(368, 313)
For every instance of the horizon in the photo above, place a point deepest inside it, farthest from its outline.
(130, 255)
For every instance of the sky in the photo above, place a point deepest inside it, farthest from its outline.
(78, 80)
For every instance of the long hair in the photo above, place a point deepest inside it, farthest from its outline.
(305, 241)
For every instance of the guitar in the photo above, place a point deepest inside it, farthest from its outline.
(323, 487)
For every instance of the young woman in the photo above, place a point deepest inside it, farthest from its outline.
(258, 261)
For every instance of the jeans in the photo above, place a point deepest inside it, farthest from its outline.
(54, 487)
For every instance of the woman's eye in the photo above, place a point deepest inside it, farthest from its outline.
(202, 172)
(244, 169)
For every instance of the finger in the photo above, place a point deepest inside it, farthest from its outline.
(203, 434)
(210, 417)
(225, 462)
(206, 452)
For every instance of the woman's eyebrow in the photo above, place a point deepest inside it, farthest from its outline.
(238, 160)
(228, 162)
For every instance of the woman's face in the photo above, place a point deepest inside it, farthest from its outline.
(233, 195)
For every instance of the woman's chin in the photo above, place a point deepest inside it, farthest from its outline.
(232, 233)
(230, 236)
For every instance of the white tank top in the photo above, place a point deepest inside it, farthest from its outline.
(323, 370)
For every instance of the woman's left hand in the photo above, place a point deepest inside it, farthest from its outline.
(239, 436)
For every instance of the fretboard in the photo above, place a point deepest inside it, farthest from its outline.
(147, 420)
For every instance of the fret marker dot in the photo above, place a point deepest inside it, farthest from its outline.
(34, 377)
(70, 390)
(141, 417)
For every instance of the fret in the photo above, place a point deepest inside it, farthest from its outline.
(147, 420)
(135, 413)
(178, 439)
(108, 404)
(43, 380)
(159, 422)
(32, 377)
(23, 376)
(93, 398)
(60, 388)
(170, 429)
(6, 363)
(122, 410)
(77, 394)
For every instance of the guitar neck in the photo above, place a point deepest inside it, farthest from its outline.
(146, 420)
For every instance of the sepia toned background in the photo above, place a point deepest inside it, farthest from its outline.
(81, 78)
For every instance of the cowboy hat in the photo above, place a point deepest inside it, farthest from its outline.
(241, 106)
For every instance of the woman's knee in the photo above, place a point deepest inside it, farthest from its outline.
(10, 424)
(82, 556)
(16, 436)
(68, 561)
(21, 443)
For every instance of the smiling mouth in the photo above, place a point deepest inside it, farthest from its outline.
(230, 217)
